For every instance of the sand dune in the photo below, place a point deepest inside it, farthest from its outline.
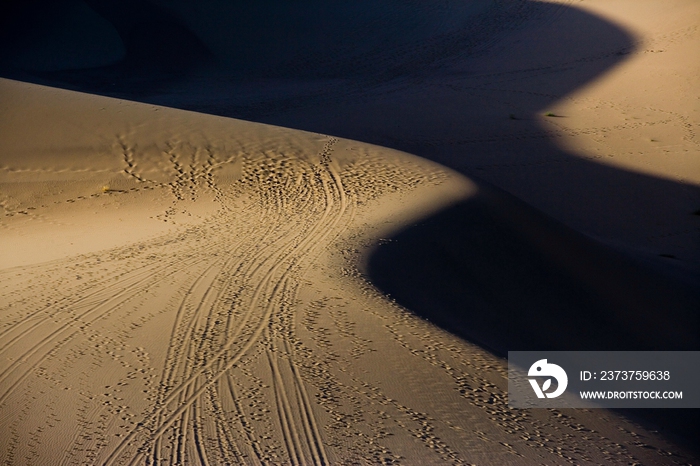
(182, 288)
(467, 87)
(230, 321)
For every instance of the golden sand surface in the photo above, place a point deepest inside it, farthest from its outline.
(204, 303)
(182, 288)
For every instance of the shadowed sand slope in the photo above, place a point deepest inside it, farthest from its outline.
(205, 303)
(466, 84)
(495, 271)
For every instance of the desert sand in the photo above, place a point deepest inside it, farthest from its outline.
(179, 287)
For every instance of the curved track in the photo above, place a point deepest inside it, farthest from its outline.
(251, 337)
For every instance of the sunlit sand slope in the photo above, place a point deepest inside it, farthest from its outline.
(184, 289)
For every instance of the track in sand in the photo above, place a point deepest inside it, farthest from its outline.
(251, 336)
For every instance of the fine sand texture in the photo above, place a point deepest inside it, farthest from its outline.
(197, 286)
(180, 288)
(586, 110)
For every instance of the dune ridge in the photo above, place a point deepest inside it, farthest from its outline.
(246, 331)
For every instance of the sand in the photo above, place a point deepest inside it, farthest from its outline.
(183, 288)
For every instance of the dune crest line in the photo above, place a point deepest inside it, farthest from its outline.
(231, 320)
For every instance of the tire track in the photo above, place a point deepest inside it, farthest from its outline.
(75, 296)
(62, 305)
(276, 264)
(243, 420)
(177, 341)
(313, 445)
(102, 287)
(319, 231)
(57, 336)
(175, 363)
(308, 420)
(53, 337)
(237, 379)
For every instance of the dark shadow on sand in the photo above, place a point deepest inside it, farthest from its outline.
(499, 273)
